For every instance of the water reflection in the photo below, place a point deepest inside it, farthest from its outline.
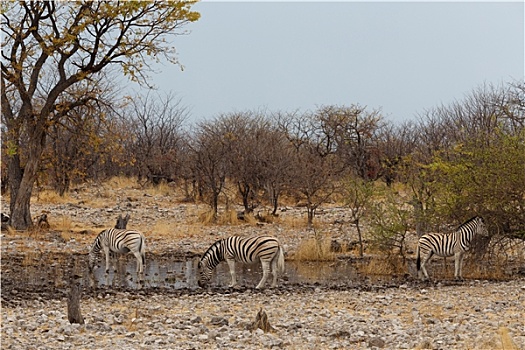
(183, 274)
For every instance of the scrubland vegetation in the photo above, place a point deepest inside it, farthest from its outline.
(394, 182)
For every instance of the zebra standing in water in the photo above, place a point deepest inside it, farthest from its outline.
(456, 243)
(264, 248)
(117, 241)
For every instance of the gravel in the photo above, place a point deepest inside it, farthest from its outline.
(471, 315)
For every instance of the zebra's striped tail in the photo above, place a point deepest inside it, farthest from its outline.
(418, 259)
(280, 260)
(143, 250)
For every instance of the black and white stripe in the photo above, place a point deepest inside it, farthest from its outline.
(247, 250)
(456, 243)
(114, 241)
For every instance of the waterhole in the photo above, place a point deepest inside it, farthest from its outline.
(184, 274)
(48, 272)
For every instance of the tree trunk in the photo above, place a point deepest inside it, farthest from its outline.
(23, 179)
(311, 214)
(244, 190)
(275, 202)
(21, 189)
(73, 302)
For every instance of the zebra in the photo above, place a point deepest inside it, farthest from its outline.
(243, 249)
(456, 243)
(117, 241)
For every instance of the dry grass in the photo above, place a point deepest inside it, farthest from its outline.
(63, 224)
(170, 230)
(506, 340)
(122, 182)
(206, 218)
(383, 265)
(162, 189)
(293, 222)
(314, 249)
(51, 197)
(228, 217)
(493, 270)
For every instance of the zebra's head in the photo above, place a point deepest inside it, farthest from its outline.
(210, 259)
(481, 228)
(204, 272)
(93, 253)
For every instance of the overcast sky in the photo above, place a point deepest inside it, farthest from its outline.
(402, 57)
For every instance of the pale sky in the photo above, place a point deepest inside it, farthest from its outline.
(400, 57)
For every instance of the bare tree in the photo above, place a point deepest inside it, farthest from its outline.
(314, 166)
(351, 132)
(395, 142)
(156, 125)
(209, 149)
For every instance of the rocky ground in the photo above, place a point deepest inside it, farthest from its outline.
(471, 315)
(401, 314)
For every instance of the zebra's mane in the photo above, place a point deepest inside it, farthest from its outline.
(210, 250)
(468, 221)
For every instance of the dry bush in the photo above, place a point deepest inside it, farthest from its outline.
(249, 219)
(486, 270)
(228, 217)
(206, 218)
(314, 249)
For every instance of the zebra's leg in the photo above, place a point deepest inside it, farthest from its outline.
(231, 264)
(266, 272)
(140, 266)
(458, 275)
(423, 263)
(274, 269)
(106, 251)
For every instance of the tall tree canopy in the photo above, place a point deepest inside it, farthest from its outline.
(52, 51)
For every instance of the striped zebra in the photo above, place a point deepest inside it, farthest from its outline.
(243, 249)
(456, 243)
(114, 241)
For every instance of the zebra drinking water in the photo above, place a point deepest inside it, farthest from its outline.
(243, 249)
(456, 243)
(117, 241)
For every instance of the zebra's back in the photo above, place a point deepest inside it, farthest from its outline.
(250, 249)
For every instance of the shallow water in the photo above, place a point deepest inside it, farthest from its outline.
(183, 274)
(51, 274)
